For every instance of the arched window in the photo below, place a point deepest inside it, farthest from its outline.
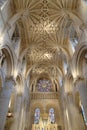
(51, 115)
(37, 116)
(83, 113)
(44, 85)
(73, 37)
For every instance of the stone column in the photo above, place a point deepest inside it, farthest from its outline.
(83, 37)
(74, 118)
(81, 87)
(26, 105)
(67, 122)
(21, 112)
(5, 95)
(17, 113)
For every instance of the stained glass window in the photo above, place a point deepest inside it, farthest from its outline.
(51, 115)
(37, 116)
(44, 85)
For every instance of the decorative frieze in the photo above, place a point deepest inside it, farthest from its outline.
(46, 95)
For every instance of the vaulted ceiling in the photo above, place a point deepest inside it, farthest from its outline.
(46, 28)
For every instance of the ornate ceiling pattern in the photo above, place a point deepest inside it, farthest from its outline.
(45, 28)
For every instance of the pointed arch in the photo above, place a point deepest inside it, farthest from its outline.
(10, 58)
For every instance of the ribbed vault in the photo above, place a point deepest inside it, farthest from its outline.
(45, 28)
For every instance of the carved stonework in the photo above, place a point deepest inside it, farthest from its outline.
(47, 95)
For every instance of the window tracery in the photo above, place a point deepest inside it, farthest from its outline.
(51, 115)
(37, 116)
(44, 85)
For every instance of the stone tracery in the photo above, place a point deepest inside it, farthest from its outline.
(44, 85)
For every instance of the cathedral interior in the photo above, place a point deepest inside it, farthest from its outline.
(43, 64)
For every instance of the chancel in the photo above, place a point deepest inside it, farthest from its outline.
(43, 64)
